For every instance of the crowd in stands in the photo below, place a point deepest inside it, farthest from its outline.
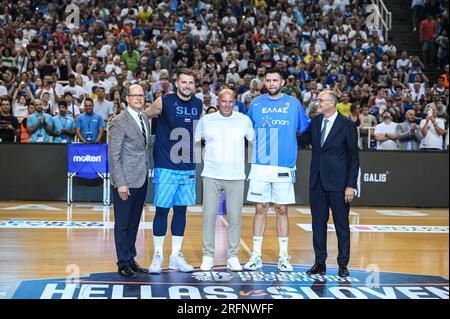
(61, 82)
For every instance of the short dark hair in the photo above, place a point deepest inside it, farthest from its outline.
(274, 71)
(62, 103)
(89, 99)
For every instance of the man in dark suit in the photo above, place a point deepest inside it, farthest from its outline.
(333, 177)
(129, 161)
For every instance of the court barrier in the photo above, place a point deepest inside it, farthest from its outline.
(386, 178)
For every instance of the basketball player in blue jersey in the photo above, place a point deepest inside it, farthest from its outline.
(277, 118)
(174, 173)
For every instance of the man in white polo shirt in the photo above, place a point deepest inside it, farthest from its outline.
(433, 131)
(224, 171)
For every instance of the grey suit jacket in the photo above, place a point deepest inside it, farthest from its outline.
(404, 136)
(129, 159)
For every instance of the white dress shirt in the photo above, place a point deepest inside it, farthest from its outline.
(135, 116)
(330, 123)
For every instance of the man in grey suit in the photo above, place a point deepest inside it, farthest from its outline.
(128, 156)
(408, 133)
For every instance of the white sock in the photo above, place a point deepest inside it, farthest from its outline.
(177, 242)
(158, 245)
(283, 241)
(257, 245)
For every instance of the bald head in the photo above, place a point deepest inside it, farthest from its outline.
(410, 116)
(226, 92)
(226, 102)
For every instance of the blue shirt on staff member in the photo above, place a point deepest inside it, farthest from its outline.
(40, 135)
(59, 123)
(89, 125)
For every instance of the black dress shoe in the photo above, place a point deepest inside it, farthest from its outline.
(343, 271)
(137, 268)
(317, 268)
(126, 271)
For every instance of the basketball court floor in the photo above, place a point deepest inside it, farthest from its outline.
(51, 250)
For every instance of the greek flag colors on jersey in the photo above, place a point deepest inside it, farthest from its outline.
(276, 123)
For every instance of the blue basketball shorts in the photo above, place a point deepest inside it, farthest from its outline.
(174, 188)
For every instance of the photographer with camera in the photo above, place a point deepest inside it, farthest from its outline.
(49, 86)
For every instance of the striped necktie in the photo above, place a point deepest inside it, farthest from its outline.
(322, 133)
(144, 132)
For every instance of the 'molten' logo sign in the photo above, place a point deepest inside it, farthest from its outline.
(87, 158)
(223, 284)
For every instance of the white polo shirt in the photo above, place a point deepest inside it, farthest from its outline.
(432, 139)
(224, 156)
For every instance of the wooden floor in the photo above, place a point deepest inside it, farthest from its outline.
(46, 253)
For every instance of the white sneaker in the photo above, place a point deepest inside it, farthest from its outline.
(254, 263)
(233, 264)
(284, 264)
(179, 263)
(156, 265)
(207, 263)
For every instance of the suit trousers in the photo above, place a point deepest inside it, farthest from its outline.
(234, 197)
(321, 201)
(127, 215)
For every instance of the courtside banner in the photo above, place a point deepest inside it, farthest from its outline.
(86, 160)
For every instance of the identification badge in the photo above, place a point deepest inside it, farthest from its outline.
(40, 138)
(89, 136)
(64, 140)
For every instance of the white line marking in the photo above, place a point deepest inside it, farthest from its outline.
(243, 244)
(307, 211)
(386, 228)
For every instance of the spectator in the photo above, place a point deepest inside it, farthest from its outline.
(39, 124)
(73, 108)
(418, 7)
(76, 90)
(9, 124)
(368, 122)
(163, 84)
(344, 107)
(102, 106)
(20, 106)
(385, 133)
(292, 89)
(442, 52)
(408, 133)
(427, 37)
(47, 104)
(232, 75)
(210, 110)
(433, 130)
(118, 105)
(63, 125)
(131, 58)
(90, 126)
(49, 87)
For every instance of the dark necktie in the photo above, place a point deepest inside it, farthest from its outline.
(144, 132)
(322, 133)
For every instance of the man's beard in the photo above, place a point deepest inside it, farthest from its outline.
(275, 92)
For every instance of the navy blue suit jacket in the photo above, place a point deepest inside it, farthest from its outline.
(337, 162)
